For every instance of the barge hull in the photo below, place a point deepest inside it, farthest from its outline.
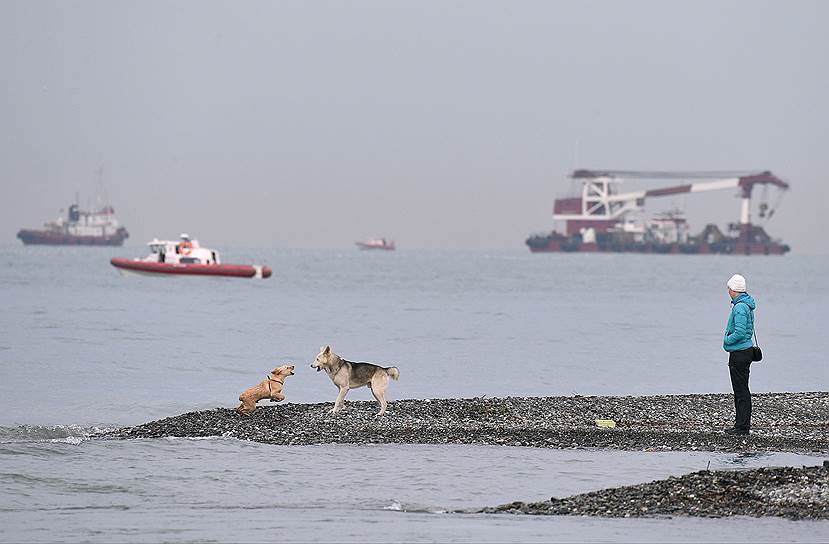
(49, 238)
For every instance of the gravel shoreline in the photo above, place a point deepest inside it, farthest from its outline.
(782, 422)
(788, 492)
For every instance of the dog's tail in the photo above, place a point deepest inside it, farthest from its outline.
(393, 372)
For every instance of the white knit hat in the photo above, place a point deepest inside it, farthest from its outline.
(737, 283)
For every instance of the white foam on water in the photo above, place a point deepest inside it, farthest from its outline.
(50, 433)
(215, 437)
(74, 440)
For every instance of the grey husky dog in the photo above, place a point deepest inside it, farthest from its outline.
(348, 375)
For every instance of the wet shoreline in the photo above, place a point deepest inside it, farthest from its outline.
(782, 422)
(787, 492)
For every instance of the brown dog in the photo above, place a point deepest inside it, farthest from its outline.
(269, 388)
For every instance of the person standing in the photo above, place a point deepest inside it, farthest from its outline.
(737, 342)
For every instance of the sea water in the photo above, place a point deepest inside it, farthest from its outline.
(83, 348)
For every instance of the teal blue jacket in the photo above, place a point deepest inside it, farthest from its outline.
(740, 325)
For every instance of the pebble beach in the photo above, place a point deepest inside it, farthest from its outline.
(788, 492)
(782, 422)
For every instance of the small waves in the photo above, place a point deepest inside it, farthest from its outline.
(397, 506)
(117, 507)
(30, 482)
(69, 434)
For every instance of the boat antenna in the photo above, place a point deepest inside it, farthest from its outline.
(101, 193)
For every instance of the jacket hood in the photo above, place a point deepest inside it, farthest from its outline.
(745, 297)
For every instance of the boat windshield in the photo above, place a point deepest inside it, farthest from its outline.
(156, 248)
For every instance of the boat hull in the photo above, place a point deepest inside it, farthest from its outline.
(556, 245)
(146, 268)
(363, 245)
(55, 238)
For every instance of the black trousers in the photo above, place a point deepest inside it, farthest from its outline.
(738, 364)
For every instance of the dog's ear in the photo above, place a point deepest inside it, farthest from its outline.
(326, 350)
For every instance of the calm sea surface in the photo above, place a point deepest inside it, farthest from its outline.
(82, 348)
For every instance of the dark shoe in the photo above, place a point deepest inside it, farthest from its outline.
(736, 431)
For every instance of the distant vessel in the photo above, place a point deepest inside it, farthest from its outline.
(186, 258)
(377, 243)
(604, 219)
(78, 228)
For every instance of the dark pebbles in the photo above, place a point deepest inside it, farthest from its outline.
(787, 492)
(794, 422)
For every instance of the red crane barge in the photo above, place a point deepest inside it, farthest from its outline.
(604, 219)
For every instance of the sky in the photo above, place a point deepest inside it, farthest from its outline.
(440, 124)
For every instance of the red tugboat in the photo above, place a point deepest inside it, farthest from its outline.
(78, 228)
(604, 219)
(186, 258)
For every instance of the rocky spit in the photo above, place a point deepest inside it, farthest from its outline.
(793, 493)
(782, 422)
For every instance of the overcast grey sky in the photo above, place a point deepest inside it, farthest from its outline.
(439, 124)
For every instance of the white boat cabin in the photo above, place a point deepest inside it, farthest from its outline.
(184, 251)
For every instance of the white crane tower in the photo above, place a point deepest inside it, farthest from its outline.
(601, 205)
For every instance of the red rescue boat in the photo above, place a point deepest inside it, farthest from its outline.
(186, 258)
